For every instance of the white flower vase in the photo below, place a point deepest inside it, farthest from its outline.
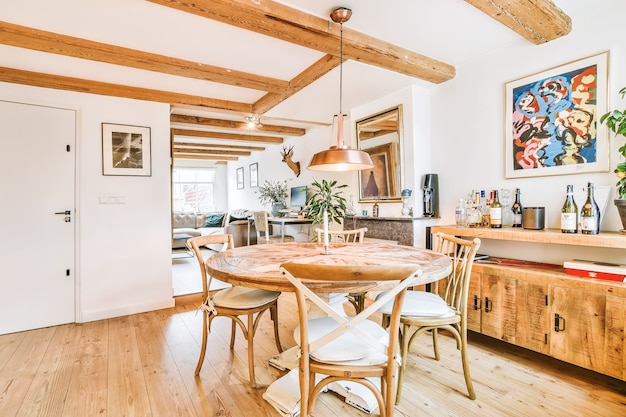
(277, 206)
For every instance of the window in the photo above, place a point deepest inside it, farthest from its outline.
(193, 189)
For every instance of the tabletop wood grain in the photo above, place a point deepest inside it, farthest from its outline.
(258, 266)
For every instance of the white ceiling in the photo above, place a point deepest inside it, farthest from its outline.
(451, 31)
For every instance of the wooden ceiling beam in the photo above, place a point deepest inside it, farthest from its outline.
(232, 124)
(221, 158)
(308, 76)
(39, 40)
(539, 21)
(228, 136)
(218, 145)
(291, 25)
(59, 82)
(210, 151)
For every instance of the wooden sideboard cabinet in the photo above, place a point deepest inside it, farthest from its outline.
(577, 320)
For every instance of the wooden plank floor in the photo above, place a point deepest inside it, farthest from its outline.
(143, 364)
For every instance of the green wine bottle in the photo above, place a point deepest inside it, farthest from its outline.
(569, 213)
(590, 214)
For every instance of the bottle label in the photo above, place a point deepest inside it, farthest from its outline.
(495, 214)
(568, 221)
(589, 223)
(517, 219)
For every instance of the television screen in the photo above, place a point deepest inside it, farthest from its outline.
(298, 197)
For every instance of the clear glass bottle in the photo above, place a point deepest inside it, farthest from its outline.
(590, 213)
(507, 214)
(460, 215)
(517, 209)
(474, 216)
(495, 211)
(569, 213)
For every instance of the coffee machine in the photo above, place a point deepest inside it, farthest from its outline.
(430, 190)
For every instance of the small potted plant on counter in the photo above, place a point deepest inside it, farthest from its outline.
(615, 120)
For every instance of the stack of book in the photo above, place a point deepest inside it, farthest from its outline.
(593, 269)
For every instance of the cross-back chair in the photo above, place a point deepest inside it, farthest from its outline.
(232, 302)
(262, 227)
(342, 236)
(443, 307)
(357, 299)
(348, 348)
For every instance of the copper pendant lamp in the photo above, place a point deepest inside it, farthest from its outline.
(340, 157)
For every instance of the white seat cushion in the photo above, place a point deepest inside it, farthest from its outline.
(421, 304)
(347, 347)
(242, 297)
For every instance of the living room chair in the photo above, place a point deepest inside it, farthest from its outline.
(263, 230)
(232, 302)
(348, 348)
(357, 299)
(443, 307)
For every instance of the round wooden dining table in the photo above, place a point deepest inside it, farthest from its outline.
(258, 266)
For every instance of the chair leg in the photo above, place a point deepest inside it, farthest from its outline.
(233, 331)
(466, 370)
(436, 342)
(274, 317)
(403, 355)
(205, 335)
(250, 337)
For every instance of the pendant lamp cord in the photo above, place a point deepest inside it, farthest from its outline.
(341, 68)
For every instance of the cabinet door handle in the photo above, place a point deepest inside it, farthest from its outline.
(477, 303)
(488, 305)
(557, 323)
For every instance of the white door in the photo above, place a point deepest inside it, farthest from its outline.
(37, 175)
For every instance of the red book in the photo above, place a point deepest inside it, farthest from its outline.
(593, 269)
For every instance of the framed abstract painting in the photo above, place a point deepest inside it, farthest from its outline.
(551, 120)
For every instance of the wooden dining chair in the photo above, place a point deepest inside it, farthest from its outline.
(348, 348)
(232, 302)
(262, 227)
(357, 299)
(443, 307)
(339, 236)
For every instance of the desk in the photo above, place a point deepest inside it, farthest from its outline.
(289, 220)
(282, 221)
(258, 266)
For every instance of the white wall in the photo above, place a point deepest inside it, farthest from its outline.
(468, 131)
(123, 250)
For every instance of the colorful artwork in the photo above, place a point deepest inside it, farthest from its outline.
(552, 121)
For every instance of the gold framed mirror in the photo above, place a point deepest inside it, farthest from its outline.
(380, 135)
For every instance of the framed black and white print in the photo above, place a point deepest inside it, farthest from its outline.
(240, 178)
(126, 150)
(254, 175)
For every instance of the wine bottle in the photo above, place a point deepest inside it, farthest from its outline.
(517, 210)
(590, 214)
(375, 209)
(569, 213)
(495, 211)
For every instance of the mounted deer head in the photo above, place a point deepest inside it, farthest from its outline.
(287, 155)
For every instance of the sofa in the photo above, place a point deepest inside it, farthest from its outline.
(201, 224)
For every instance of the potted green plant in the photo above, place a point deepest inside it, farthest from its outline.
(324, 196)
(615, 120)
(274, 193)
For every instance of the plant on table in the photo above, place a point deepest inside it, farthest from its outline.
(273, 193)
(324, 196)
